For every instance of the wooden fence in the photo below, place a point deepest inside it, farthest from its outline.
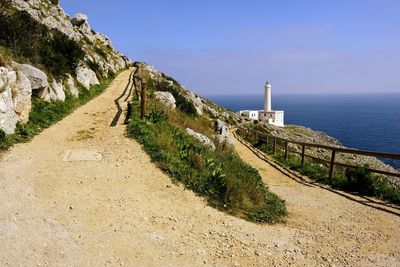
(140, 90)
(283, 143)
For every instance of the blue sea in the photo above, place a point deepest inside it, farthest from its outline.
(368, 122)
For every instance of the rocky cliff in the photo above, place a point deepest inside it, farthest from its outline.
(47, 54)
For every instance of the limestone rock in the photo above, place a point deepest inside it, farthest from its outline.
(202, 138)
(71, 86)
(8, 117)
(22, 92)
(38, 79)
(220, 127)
(57, 91)
(166, 98)
(86, 76)
(79, 19)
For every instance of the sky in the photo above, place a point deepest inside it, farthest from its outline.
(219, 47)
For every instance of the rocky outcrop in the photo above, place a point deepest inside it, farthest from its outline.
(16, 93)
(86, 77)
(166, 98)
(201, 137)
(8, 117)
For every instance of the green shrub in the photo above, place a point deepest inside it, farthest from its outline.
(360, 180)
(31, 42)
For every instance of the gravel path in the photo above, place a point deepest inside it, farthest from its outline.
(122, 210)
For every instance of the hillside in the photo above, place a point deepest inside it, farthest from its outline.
(63, 57)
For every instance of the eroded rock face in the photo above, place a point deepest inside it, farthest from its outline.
(8, 117)
(201, 137)
(86, 77)
(166, 98)
(22, 92)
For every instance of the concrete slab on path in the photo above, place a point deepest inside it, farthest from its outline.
(82, 155)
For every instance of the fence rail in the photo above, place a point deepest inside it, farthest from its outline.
(273, 140)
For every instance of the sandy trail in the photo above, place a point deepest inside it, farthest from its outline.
(122, 210)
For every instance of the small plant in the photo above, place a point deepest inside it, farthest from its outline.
(360, 180)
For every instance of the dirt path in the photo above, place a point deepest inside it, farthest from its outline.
(122, 210)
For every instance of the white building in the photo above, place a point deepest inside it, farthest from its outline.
(274, 117)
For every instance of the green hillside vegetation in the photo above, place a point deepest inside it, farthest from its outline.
(219, 175)
(25, 40)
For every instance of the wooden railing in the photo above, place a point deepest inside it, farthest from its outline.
(273, 141)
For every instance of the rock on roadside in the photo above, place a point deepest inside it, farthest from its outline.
(201, 137)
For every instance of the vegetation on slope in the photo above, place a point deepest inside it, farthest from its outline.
(353, 180)
(44, 114)
(219, 175)
(26, 40)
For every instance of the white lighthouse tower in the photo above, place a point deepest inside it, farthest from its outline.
(267, 97)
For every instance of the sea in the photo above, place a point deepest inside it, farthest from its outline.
(362, 121)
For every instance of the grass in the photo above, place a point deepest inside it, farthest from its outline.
(219, 175)
(44, 114)
(352, 180)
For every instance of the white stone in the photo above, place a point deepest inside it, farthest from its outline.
(38, 79)
(79, 19)
(201, 137)
(57, 91)
(22, 92)
(8, 117)
(166, 98)
(86, 76)
(71, 86)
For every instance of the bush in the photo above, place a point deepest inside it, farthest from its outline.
(30, 41)
(360, 180)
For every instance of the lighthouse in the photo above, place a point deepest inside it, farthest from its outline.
(267, 97)
(267, 116)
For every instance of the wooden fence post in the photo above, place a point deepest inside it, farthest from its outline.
(286, 150)
(143, 99)
(303, 153)
(332, 166)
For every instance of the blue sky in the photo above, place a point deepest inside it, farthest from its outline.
(234, 46)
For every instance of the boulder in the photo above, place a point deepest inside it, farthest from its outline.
(57, 91)
(8, 117)
(86, 76)
(201, 137)
(22, 93)
(71, 86)
(220, 128)
(166, 98)
(79, 19)
(38, 79)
